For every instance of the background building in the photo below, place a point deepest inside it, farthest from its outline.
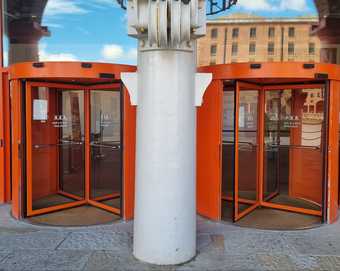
(250, 38)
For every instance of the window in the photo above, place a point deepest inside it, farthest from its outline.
(234, 49)
(271, 32)
(252, 48)
(252, 33)
(235, 33)
(291, 48)
(214, 33)
(213, 50)
(311, 48)
(271, 48)
(291, 32)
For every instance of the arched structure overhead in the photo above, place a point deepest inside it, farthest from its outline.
(329, 14)
(22, 25)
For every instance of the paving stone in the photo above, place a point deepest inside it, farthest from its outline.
(15, 230)
(203, 241)
(219, 261)
(35, 240)
(45, 260)
(95, 240)
(314, 243)
(108, 260)
(299, 262)
(240, 243)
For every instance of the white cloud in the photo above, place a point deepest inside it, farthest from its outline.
(298, 5)
(112, 52)
(273, 5)
(46, 56)
(254, 5)
(118, 54)
(57, 7)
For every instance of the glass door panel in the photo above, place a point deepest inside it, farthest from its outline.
(228, 147)
(294, 134)
(55, 148)
(246, 153)
(106, 153)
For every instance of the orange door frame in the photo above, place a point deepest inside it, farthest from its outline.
(128, 149)
(260, 156)
(241, 86)
(280, 206)
(5, 138)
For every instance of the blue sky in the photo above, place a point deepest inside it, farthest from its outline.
(95, 30)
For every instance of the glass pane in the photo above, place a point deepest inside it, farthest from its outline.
(294, 173)
(272, 141)
(248, 126)
(228, 134)
(57, 146)
(106, 147)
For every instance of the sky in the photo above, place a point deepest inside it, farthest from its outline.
(95, 30)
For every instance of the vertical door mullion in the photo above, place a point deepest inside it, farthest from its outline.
(324, 145)
(260, 140)
(29, 182)
(87, 109)
(236, 150)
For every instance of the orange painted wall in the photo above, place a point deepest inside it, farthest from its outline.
(129, 157)
(17, 187)
(209, 149)
(5, 152)
(333, 152)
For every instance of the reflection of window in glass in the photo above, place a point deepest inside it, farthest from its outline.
(271, 48)
(252, 33)
(311, 48)
(214, 33)
(252, 48)
(234, 48)
(271, 32)
(291, 32)
(213, 50)
(291, 48)
(235, 33)
(312, 116)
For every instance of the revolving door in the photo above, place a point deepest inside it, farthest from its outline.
(73, 147)
(275, 157)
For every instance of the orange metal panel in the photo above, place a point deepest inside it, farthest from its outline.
(129, 154)
(2, 144)
(7, 138)
(68, 71)
(5, 153)
(17, 189)
(209, 160)
(333, 151)
(287, 71)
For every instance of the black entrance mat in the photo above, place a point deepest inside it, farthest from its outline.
(74, 217)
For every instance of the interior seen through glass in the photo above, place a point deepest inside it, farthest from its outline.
(293, 148)
(59, 141)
